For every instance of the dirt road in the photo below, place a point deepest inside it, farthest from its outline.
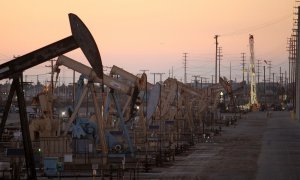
(259, 147)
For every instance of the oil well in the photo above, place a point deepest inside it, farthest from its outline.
(131, 126)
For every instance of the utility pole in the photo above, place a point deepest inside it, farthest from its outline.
(285, 80)
(184, 66)
(266, 62)
(205, 81)
(281, 82)
(280, 77)
(292, 69)
(270, 67)
(144, 70)
(154, 74)
(289, 49)
(201, 81)
(243, 65)
(74, 89)
(230, 71)
(258, 72)
(294, 52)
(196, 80)
(160, 77)
(219, 58)
(297, 73)
(265, 86)
(216, 66)
(273, 88)
(51, 66)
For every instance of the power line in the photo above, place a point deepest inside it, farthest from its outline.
(257, 27)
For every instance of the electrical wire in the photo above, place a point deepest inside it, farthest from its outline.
(258, 27)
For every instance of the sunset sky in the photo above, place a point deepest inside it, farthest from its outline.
(154, 34)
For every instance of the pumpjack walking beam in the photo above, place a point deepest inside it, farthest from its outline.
(81, 37)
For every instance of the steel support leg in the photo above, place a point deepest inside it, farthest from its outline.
(6, 108)
(30, 166)
(122, 123)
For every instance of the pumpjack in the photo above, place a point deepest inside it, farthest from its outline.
(80, 38)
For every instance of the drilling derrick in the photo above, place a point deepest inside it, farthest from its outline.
(253, 99)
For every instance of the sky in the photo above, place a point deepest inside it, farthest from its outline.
(153, 35)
